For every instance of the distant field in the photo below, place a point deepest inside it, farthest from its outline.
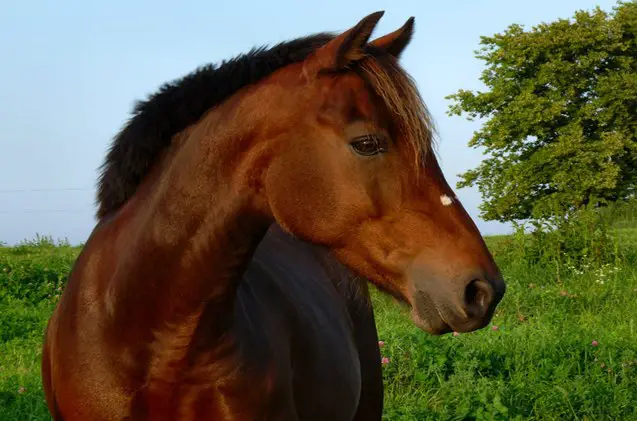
(536, 361)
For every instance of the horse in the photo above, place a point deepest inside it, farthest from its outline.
(242, 209)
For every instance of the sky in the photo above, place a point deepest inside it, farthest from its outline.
(72, 70)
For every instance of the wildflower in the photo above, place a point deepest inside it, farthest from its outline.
(381, 343)
(594, 343)
(456, 334)
(384, 361)
(494, 327)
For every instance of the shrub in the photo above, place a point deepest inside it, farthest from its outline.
(589, 238)
(35, 271)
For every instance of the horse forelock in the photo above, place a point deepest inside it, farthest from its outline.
(402, 99)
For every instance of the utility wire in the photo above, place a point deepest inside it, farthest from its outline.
(44, 190)
(17, 211)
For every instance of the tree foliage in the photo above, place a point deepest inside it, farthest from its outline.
(560, 115)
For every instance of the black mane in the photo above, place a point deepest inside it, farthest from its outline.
(179, 104)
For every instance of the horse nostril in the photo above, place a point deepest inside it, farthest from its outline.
(477, 298)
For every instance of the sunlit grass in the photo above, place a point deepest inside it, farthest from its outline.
(540, 363)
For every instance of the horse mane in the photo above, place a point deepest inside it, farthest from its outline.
(182, 102)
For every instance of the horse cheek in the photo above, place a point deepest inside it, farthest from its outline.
(314, 214)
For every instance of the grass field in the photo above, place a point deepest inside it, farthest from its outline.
(561, 347)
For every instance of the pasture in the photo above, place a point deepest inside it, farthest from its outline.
(562, 345)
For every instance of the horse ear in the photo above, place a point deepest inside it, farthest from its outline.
(395, 42)
(346, 48)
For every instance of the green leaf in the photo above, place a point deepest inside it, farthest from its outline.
(560, 124)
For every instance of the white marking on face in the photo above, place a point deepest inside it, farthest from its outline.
(446, 200)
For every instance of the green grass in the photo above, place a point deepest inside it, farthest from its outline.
(539, 364)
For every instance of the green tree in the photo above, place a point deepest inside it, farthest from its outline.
(560, 115)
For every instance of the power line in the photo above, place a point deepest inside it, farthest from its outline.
(8, 212)
(45, 190)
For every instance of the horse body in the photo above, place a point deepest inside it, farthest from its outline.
(304, 335)
(214, 285)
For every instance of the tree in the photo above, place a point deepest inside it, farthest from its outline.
(560, 115)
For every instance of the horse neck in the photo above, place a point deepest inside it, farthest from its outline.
(187, 236)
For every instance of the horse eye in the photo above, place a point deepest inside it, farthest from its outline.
(369, 145)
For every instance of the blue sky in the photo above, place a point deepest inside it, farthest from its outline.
(71, 71)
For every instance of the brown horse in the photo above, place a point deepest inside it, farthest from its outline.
(188, 302)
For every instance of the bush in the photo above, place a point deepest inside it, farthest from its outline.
(589, 238)
(35, 271)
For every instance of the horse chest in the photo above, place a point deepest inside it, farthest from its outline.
(326, 374)
(308, 344)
